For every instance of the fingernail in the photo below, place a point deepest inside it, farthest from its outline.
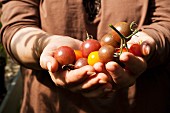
(102, 81)
(146, 49)
(91, 73)
(49, 66)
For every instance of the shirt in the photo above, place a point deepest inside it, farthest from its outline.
(68, 17)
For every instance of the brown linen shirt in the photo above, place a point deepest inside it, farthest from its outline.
(67, 17)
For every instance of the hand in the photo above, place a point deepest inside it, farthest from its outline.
(134, 66)
(125, 77)
(83, 80)
(47, 60)
(148, 44)
(121, 77)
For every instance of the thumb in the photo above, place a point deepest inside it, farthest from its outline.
(49, 63)
(145, 48)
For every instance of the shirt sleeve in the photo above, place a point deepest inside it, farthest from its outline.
(17, 14)
(159, 29)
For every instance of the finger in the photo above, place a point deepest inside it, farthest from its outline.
(135, 65)
(146, 48)
(91, 82)
(119, 75)
(100, 68)
(79, 74)
(98, 92)
(48, 62)
(58, 78)
(68, 78)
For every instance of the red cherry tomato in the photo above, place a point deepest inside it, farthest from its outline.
(89, 46)
(135, 49)
(65, 55)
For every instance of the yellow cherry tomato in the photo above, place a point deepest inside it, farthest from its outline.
(93, 58)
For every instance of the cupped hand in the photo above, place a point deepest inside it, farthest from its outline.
(84, 80)
(121, 77)
(134, 65)
(47, 60)
(126, 76)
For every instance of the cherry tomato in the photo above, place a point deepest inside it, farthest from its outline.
(123, 50)
(123, 28)
(89, 46)
(80, 63)
(65, 55)
(109, 39)
(78, 54)
(93, 58)
(135, 49)
(106, 53)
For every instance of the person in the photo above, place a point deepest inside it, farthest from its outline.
(34, 29)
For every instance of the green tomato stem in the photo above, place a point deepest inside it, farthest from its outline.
(123, 42)
(121, 46)
(88, 36)
(133, 26)
(127, 38)
(126, 45)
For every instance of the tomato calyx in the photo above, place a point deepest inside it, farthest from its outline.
(68, 67)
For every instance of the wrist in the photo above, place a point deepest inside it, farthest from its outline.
(39, 44)
(26, 46)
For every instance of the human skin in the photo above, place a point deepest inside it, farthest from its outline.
(90, 81)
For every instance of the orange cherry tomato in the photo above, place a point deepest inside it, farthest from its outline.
(123, 50)
(93, 58)
(78, 54)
